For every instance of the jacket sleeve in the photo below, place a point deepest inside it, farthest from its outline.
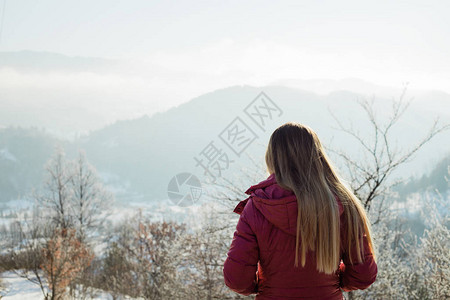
(358, 276)
(240, 266)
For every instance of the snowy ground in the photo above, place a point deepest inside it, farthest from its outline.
(14, 287)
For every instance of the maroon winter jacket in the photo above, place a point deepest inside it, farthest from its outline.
(261, 256)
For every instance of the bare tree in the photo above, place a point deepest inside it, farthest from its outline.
(433, 259)
(138, 263)
(153, 241)
(24, 256)
(117, 271)
(90, 201)
(369, 177)
(201, 254)
(369, 180)
(53, 246)
(412, 268)
(90, 204)
(57, 193)
(74, 194)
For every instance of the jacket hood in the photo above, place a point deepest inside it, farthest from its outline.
(276, 204)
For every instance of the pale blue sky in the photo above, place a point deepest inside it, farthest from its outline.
(204, 45)
(124, 28)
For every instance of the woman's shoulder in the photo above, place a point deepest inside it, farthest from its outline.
(239, 208)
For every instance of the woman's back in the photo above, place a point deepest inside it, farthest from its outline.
(261, 256)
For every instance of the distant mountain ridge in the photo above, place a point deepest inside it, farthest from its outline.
(71, 95)
(27, 60)
(140, 156)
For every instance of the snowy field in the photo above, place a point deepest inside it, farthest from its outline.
(14, 287)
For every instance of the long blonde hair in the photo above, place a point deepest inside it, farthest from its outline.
(300, 164)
